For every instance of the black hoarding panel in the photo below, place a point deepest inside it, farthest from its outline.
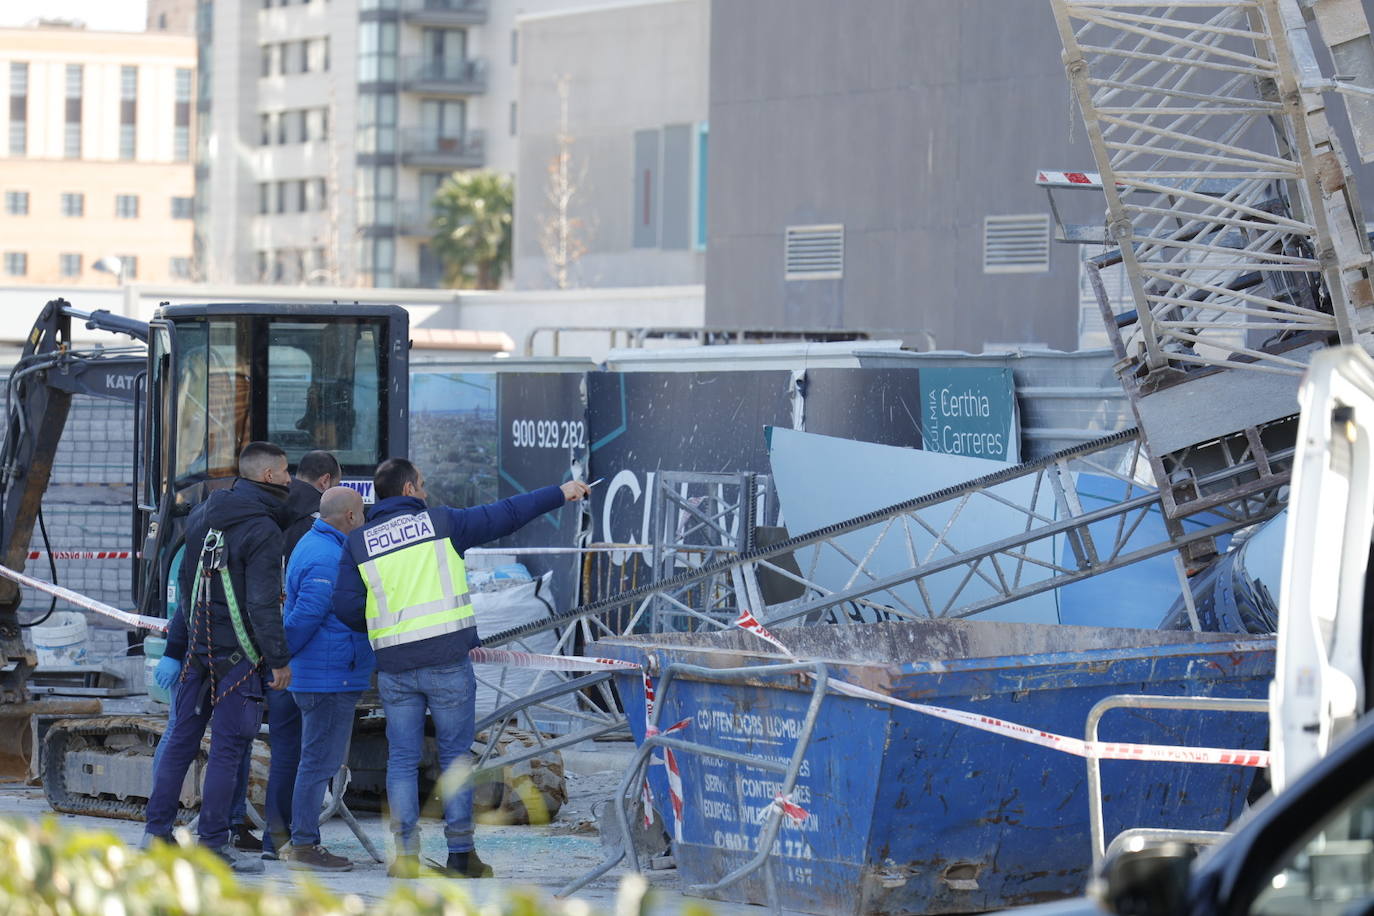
(543, 436)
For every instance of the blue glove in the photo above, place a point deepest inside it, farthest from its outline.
(166, 672)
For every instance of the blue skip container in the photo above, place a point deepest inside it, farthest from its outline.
(906, 813)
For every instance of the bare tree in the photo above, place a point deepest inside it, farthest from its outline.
(562, 235)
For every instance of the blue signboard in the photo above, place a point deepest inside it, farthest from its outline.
(969, 412)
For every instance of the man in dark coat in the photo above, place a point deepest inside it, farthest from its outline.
(317, 472)
(228, 663)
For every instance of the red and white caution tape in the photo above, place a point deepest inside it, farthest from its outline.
(484, 656)
(669, 761)
(1102, 750)
(156, 624)
(81, 554)
(796, 813)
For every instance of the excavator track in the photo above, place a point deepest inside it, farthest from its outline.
(104, 767)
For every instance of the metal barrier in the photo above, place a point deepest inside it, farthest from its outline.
(631, 337)
(635, 774)
(1138, 701)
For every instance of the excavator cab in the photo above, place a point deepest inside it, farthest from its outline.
(220, 376)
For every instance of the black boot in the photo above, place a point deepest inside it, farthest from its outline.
(241, 838)
(466, 865)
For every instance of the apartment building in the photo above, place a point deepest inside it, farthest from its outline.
(330, 125)
(95, 160)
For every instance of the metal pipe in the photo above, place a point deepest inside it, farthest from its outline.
(1140, 701)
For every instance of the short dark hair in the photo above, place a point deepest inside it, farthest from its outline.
(392, 476)
(256, 457)
(316, 464)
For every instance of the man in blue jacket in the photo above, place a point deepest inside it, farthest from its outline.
(331, 666)
(402, 581)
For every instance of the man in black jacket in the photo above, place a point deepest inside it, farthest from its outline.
(230, 641)
(318, 471)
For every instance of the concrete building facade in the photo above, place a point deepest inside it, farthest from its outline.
(613, 145)
(330, 126)
(899, 148)
(95, 161)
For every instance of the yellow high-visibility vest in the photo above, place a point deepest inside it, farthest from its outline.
(417, 584)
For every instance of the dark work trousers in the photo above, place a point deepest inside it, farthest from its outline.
(284, 726)
(233, 720)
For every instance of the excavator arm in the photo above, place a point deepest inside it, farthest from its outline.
(37, 401)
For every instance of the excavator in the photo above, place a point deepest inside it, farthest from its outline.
(207, 380)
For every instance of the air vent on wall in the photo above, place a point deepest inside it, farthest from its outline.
(814, 252)
(1016, 244)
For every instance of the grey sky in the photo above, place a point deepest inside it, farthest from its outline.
(109, 15)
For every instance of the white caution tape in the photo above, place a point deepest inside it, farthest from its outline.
(156, 624)
(1102, 750)
(484, 656)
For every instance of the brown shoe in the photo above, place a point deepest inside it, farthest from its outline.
(316, 857)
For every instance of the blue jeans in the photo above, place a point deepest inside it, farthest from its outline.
(449, 692)
(233, 721)
(284, 724)
(326, 726)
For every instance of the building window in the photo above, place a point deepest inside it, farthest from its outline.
(281, 197)
(377, 52)
(17, 203)
(703, 136)
(69, 265)
(260, 259)
(19, 109)
(513, 118)
(73, 204)
(71, 139)
(179, 268)
(181, 135)
(16, 263)
(128, 267)
(269, 53)
(514, 47)
(321, 194)
(377, 122)
(264, 129)
(1016, 244)
(813, 252)
(300, 194)
(128, 111)
(126, 206)
(264, 197)
(316, 125)
(183, 207)
(302, 128)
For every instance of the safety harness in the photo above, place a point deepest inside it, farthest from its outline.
(214, 558)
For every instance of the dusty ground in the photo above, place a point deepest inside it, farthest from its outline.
(542, 857)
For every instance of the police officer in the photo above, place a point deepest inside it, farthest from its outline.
(402, 581)
(233, 641)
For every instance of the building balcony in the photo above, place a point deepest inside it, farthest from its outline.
(425, 147)
(445, 76)
(444, 13)
(413, 218)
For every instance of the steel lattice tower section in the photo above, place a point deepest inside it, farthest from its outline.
(1237, 219)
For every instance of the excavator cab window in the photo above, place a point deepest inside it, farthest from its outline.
(220, 376)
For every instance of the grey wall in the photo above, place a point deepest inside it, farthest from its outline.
(908, 121)
(638, 89)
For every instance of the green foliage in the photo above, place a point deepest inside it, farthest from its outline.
(473, 213)
(48, 871)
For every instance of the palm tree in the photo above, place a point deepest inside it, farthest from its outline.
(472, 228)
